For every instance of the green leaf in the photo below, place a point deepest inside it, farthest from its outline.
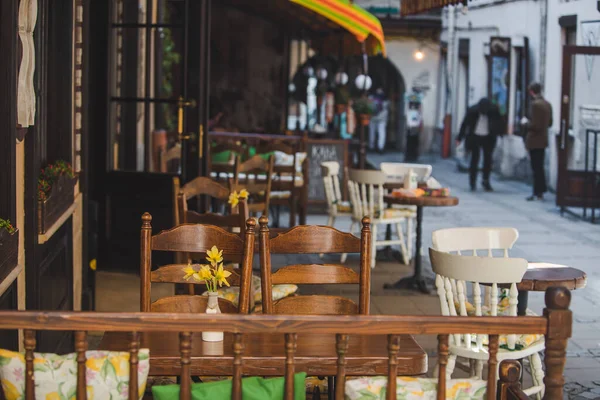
(40, 367)
(4, 361)
(108, 370)
(480, 393)
(366, 395)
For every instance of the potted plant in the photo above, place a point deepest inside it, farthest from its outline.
(342, 96)
(214, 276)
(9, 246)
(56, 185)
(364, 108)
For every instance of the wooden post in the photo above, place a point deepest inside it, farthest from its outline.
(560, 322)
(510, 373)
(146, 262)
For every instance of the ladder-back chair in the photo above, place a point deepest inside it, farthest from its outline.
(256, 176)
(194, 238)
(336, 206)
(311, 239)
(366, 193)
(460, 272)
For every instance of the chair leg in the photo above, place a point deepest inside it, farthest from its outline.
(293, 206)
(374, 246)
(409, 238)
(405, 254)
(450, 366)
(479, 369)
(352, 225)
(537, 373)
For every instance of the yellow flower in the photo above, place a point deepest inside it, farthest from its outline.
(454, 389)
(10, 391)
(120, 368)
(189, 272)
(221, 275)
(234, 199)
(94, 363)
(205, 273)
(215, 256)
(52, 396)
(243, 194)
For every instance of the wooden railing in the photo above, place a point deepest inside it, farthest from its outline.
(555, 324)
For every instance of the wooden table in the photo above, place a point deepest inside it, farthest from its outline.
(417, 281)
(264, 354)
(541, 276)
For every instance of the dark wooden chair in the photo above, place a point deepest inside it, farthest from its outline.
(194, 238)
(308, 239)
(223, 171)
(256, 176)
(555, 324)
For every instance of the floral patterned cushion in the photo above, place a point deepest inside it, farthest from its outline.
(233, 293)
(409, 388)
(107, 374)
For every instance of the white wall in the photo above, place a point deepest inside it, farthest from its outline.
(400, 51)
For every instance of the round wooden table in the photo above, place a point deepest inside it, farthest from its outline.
(540, 276)
(417, 281)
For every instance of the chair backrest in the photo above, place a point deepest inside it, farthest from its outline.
(203, 186)
(166, 156)
(330, 170)
(256, 176)
(456, 271)
(398, 170)
(311, 239)
(223, 171)
(366, 192)
(194, 238)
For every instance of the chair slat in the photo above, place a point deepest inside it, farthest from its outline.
(185, 350)
(134, 349)
(238, 350)
(492, 367)
(315, 274)
(29, 344)
(442, 362)
(341, 341)
(393, 348)
(290, 368)
(80, 349)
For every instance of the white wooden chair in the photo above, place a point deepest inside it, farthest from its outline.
(398, 170)
(330, 170)
(458, 274)
(366, 193)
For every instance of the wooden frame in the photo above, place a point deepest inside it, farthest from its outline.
(555, 324)
(343, 167)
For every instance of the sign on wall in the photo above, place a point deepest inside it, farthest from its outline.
(499, 73)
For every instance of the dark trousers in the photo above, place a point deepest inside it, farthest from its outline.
(477, 145)
(537, 166)
(412, 145)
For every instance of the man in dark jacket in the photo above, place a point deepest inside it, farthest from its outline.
(537, 138)
(479, 129)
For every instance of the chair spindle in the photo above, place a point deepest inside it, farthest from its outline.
(442, 362)
(393, 348)
(492, 367)
(80, 349)
(29, 342)
(341, 341)
(238, 350)
(185, 350)
(290, 368)
(134, 349)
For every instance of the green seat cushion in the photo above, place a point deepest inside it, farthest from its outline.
(264, 156)
(253, 388)
(221, 158)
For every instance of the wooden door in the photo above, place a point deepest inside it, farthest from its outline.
(579, 140)
(151, 128)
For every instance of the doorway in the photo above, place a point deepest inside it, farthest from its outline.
(579, 140)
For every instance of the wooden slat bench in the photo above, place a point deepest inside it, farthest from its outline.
(555, 324)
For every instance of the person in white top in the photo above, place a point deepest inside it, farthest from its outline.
(480, 128)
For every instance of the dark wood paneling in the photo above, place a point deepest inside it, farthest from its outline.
(9, 339)
(8, 109)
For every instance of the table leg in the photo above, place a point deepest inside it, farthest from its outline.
(417, 281)
(522, 306)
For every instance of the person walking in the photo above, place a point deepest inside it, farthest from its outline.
(536, 140)
(377, 126)
(480, 128)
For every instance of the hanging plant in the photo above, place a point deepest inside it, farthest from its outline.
(9, 246)
(6, 226)
(342, 95)
(50, 176)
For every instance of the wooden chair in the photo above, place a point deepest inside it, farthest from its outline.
(203, 186)
(194, 238)
(308, 239)
(398, 170)
(336, 206)
(556, 324)
(256, 176)
(458, 274)
(366, 193)
(168, 156)
(288, 182)
(223, 171)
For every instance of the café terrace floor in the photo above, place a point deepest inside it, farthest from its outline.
(544, 236)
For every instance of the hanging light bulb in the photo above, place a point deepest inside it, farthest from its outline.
(363, 82)
(341, 78)
(419, 55)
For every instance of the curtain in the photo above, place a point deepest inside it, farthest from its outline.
(25, 92)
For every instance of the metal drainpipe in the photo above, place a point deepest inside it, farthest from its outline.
(543, 39)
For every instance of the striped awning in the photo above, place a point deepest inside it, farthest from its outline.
(410, 7)
(354, 19)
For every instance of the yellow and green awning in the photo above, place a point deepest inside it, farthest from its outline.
(353, 18)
